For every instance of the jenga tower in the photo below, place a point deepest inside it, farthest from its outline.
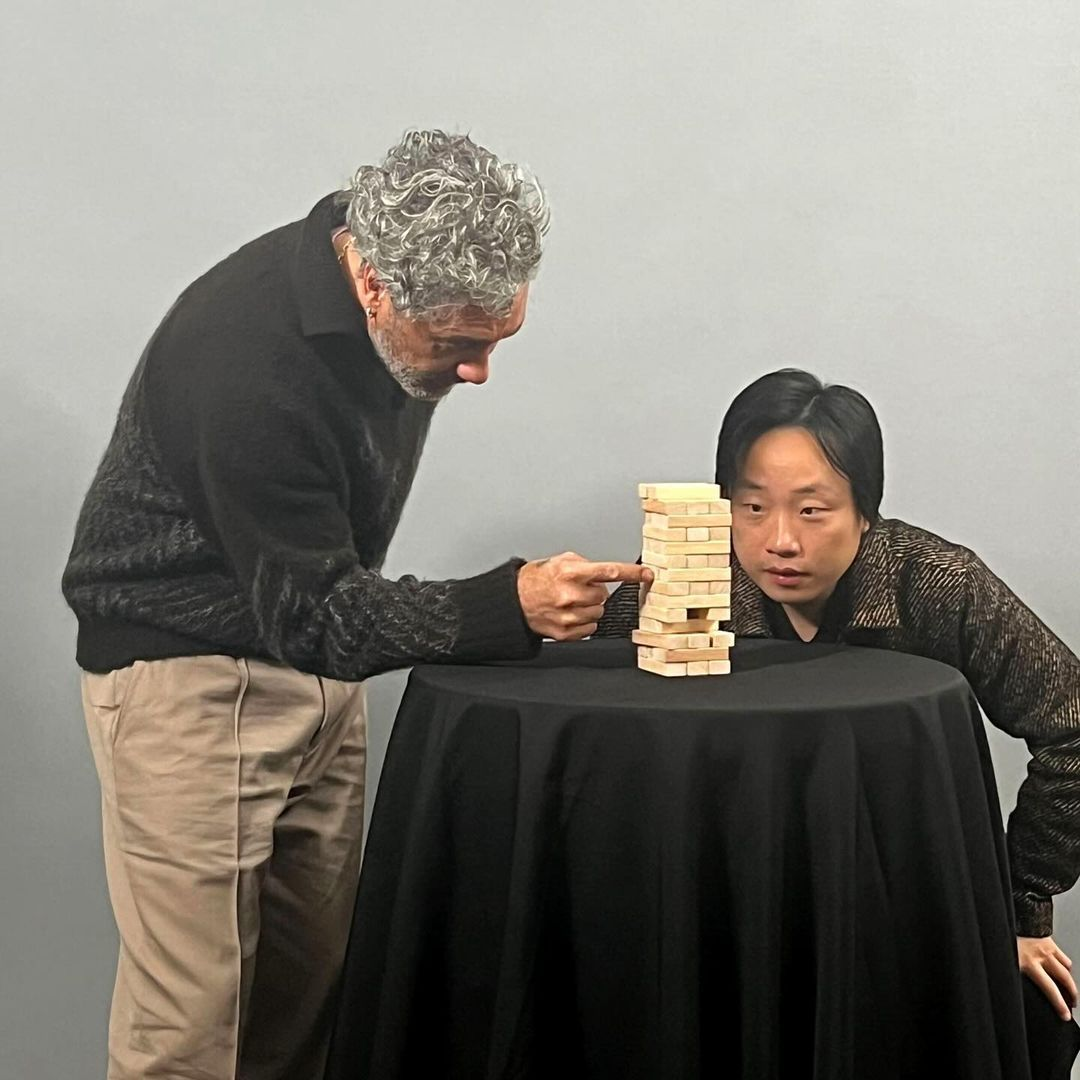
(686, 542)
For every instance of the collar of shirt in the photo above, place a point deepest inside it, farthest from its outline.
(325, 303)
(873, 591)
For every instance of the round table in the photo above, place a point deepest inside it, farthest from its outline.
(579, 869)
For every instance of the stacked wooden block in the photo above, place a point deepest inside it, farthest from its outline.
(686, 541)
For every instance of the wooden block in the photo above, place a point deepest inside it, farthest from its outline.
(679, 492)
(691, 626)
(655, 532)
(699, 641)
(668, 641)
(719, 667)
(664, 614)
(688, 521)
(652, 598)
(690, 600)
(719, 561)
(684, 573)
(679, 656)
(717, 585)
(699, 561)
(670, 588)
(696, 533)
(681, 547)
(655, 506)
(664, 562)
(721, 639)
(721, 532)
(657, 668)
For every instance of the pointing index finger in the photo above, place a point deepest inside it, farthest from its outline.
(615, 571)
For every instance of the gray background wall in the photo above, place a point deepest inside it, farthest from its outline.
(887, 194)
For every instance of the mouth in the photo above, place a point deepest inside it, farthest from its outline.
(786, 576)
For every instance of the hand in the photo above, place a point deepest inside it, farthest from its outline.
(1049, 969)
(563, 597)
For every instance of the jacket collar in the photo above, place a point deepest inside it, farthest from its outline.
(874, 586)
(325, 304)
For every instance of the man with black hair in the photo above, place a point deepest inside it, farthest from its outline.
(814, 561)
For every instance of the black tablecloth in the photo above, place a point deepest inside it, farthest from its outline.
(577, 869)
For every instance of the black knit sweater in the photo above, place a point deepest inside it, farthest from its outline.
(914, 592)
(259, 465)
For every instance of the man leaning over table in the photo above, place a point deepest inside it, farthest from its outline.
(225, 575)
(813, 560)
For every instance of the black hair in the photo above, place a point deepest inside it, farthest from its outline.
(841, 420)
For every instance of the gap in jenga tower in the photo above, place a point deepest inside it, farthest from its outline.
(686, 541)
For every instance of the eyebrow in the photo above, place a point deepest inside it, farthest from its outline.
(808, 489)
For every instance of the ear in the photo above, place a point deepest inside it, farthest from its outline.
(370, 290)
(865, 526)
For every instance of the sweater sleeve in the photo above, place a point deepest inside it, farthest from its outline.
(267, 486)
(1028, 683)
(620, 612)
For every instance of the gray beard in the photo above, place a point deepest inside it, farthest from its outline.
(420, 385)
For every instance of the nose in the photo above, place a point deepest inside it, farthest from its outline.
(474, 371)
(784, 538)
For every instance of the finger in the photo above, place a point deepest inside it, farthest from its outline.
(589, 596)
(579, 616)
(614, 571)
(1050, 990)
(1060, 974)
(1062, 958)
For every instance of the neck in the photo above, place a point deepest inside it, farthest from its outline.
(806, 618)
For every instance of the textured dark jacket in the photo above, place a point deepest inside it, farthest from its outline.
(256, 474)
(912, 591)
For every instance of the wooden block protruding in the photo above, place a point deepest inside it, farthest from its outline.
(679, 656)
(658, 668)
(657, 532)
(664, 562)
(684, 573)
(719, 667)
(680, 492)
(690, 626)
(664, 614)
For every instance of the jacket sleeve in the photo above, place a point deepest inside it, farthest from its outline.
(1028, 684)
(620, 612)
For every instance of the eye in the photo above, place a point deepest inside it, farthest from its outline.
(752, 508)
(812, 511)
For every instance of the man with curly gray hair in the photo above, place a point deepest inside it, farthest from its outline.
(440, 243)
(226, 577)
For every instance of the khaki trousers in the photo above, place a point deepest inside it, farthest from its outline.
(232, 804)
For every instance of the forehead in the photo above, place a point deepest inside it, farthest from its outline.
(790, 457)
(474, 324)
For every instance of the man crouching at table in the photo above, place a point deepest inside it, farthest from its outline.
(815, 561)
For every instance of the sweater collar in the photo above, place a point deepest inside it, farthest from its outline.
(873, 591)
(326, 306)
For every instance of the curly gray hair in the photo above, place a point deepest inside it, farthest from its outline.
(446, 224)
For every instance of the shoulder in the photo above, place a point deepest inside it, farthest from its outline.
(930, 573)
(922, 552)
